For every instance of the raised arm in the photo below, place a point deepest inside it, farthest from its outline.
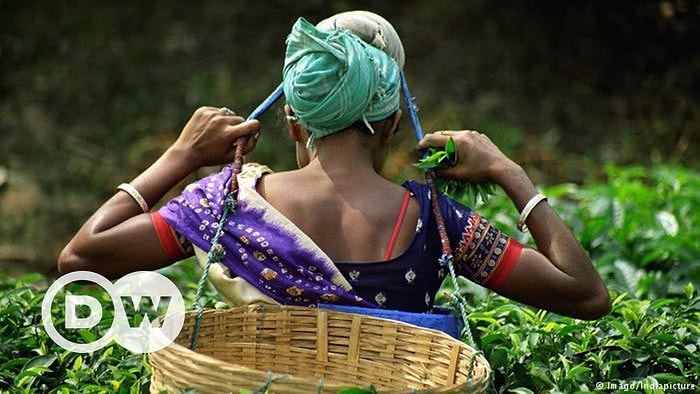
(558, 276)
(120, 237)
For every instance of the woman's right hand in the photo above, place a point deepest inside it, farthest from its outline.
(478, 158)
(120, 238)
(209, 137)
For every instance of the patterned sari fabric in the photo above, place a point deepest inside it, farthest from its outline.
(271, 253)
(262, 246)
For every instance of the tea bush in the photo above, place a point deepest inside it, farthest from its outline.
(640, 228)
(31, 362)
(639, 341)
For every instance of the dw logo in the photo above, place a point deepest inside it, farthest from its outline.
(134, 290)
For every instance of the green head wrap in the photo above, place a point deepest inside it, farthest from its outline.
(333, 79)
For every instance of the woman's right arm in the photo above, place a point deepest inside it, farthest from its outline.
(119, 237)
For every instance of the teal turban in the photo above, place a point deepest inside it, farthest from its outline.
(333, 79)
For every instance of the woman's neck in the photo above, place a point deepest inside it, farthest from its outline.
(346, 154)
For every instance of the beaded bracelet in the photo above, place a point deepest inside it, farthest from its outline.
(130, 190)
(539, 197)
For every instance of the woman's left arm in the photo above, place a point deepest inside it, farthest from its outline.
(119, 237)
(558, 276)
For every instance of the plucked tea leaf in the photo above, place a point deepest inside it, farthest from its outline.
(450, 148)
(466, 193)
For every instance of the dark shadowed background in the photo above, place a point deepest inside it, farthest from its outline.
(91, 92)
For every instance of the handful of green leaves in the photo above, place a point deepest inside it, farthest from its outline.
(466, 193)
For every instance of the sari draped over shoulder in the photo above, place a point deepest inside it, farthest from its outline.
(262, 247)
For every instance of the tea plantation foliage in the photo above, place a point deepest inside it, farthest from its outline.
(641, 228)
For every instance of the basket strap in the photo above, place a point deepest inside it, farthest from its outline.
(447, 258)
(270, 379)
(217, 251)
(470, 372)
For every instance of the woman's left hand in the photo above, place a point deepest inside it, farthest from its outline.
(566, 281)
(478, 159)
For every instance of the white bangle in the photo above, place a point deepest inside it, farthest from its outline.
(539, 197)
(130, 190)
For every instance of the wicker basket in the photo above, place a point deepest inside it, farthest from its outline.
(309, 350)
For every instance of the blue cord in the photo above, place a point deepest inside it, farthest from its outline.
(217, 251)
(410, 102)
(461, 303)
(267, 103)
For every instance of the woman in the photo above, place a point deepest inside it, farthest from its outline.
(335, 231)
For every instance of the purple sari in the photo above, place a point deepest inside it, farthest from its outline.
(262, 246)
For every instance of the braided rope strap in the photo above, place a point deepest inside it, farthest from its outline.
(217, 251)
(447, 258)
(270, 379)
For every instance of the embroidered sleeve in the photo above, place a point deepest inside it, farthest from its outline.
(174, 245)
(483, 254)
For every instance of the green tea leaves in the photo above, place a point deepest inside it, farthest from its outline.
(439, 158)
(466, 193)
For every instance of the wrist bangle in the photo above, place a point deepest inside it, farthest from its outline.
(539, 197)
(130, 190)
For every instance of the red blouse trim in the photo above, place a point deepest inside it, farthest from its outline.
(167, 237)
(397, 227)
(511, 255)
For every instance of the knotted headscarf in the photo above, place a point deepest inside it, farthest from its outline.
(333, 79)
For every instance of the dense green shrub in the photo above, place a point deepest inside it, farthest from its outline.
(641, 228)
(31, 362)
(639, 341)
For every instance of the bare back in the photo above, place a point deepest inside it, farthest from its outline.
(350, 218)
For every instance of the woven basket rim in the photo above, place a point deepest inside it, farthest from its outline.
(176, 350)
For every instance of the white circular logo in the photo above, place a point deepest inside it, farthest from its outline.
(136, 289)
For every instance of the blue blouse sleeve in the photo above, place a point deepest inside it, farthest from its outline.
(483, 254)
